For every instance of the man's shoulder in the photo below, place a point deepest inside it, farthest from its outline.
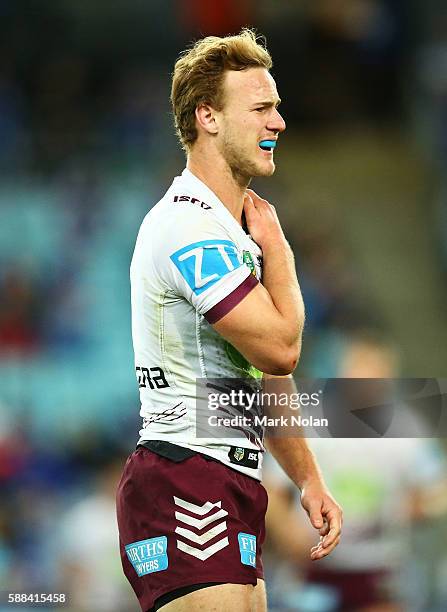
(182, 198)
(189, 199)
(179, 209)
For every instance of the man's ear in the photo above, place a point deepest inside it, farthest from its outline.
(206, 118)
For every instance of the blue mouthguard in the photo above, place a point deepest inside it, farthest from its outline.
(268, 143)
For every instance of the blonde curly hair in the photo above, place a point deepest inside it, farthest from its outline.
(199, 73)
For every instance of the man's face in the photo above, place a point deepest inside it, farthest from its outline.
(249, 116)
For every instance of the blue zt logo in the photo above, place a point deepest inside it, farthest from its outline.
(202, 264)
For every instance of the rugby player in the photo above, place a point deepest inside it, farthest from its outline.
(214, 296)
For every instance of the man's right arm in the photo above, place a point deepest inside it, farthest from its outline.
(266, 326)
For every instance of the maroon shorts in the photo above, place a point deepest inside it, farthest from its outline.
(187, 523)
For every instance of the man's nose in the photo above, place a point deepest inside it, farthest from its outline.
(276, 122)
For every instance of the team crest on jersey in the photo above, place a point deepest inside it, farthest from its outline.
(244, 456)
(248, 259)
(239, 453)
(202, 264)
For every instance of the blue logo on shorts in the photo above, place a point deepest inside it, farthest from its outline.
(247, 546)
(204, 263)
(148, 556)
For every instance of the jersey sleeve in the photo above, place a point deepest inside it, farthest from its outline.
(200, 262)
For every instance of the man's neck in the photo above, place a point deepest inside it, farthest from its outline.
(217, 176)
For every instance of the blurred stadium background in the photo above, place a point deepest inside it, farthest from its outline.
(87, 147)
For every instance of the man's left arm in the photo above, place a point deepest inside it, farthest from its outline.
(300, 464)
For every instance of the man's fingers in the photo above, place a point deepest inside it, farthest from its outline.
(326, 551)
(330, 537)
(248, 200)
(315, 516)
(330, 530)
(249, 207)
(258, 201)
(254, 195)
(251, 196)
(325, 529)
(318, 552)
(334, 523)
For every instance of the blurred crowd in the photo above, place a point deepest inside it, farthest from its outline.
(58, 529)
(77, 81)
(86, 148)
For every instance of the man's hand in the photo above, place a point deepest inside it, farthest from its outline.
(266, 326)
(324, 514)
(262, 221)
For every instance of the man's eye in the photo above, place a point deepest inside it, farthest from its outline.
(259, 109)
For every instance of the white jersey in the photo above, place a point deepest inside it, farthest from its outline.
(192, 264)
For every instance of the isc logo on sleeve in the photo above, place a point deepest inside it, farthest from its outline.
(204, 263)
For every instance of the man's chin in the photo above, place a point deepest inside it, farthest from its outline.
(266, 169)
(249, 171)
